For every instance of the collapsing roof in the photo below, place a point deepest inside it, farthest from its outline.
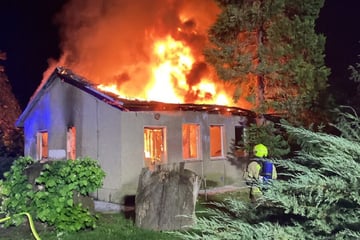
(124, 104)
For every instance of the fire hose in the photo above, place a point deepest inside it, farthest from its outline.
(31, 223)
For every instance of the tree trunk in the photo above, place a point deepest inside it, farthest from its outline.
(166, 199)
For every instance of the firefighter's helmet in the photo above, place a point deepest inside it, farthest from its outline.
(260, 150)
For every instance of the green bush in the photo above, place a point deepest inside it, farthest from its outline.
(52, 201)
(16, 191)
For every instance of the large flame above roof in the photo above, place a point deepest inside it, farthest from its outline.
(150, 50)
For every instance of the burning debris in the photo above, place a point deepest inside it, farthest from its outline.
(125, 104)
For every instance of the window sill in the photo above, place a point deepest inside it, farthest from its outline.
(217, 158)
(192, 160)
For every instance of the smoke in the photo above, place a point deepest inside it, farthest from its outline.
(111, 40)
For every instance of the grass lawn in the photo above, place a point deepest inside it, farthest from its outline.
(111, 226)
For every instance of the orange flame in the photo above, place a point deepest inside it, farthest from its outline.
(173, 61)
(148, 51)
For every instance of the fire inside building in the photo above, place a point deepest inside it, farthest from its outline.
(69, 118)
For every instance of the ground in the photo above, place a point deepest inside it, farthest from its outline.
(24, 232)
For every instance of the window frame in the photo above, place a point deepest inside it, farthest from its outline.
(148, 161)
(221, 143)
(197, 140)
(42, 145)
(71, 143)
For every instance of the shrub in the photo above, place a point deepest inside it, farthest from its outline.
(318, 200)
(52, 202)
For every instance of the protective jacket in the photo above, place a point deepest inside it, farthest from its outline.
(259, 171)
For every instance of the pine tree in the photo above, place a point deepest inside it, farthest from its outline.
(269, 134)
(355, 72)
(270, 51)
(11, 140)
(319, 199)
(355, 77)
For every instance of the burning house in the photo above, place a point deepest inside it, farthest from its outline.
(68, 118)
(152, 98)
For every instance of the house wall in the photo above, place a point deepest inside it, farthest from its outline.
(51, 115)
(97, 129)
(218, 170)
(116, 138)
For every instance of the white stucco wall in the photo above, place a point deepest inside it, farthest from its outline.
(97, 129)
(49, 114)
(116, 138)
(132, 141)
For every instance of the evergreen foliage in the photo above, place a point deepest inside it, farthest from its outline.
(320, 198)
(355, 77)
(355, 72)
(270, 51)
(269, 134)
(11, 139)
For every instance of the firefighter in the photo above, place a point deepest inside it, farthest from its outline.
(259, 171)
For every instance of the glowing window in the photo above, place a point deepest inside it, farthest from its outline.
(154, 146)
(71, 143)
(216, 141)
(191, 141)
(42, 148)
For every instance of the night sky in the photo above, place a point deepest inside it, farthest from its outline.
(30, 37)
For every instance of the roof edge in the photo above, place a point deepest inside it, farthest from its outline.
(36, 96)
(122, 104)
